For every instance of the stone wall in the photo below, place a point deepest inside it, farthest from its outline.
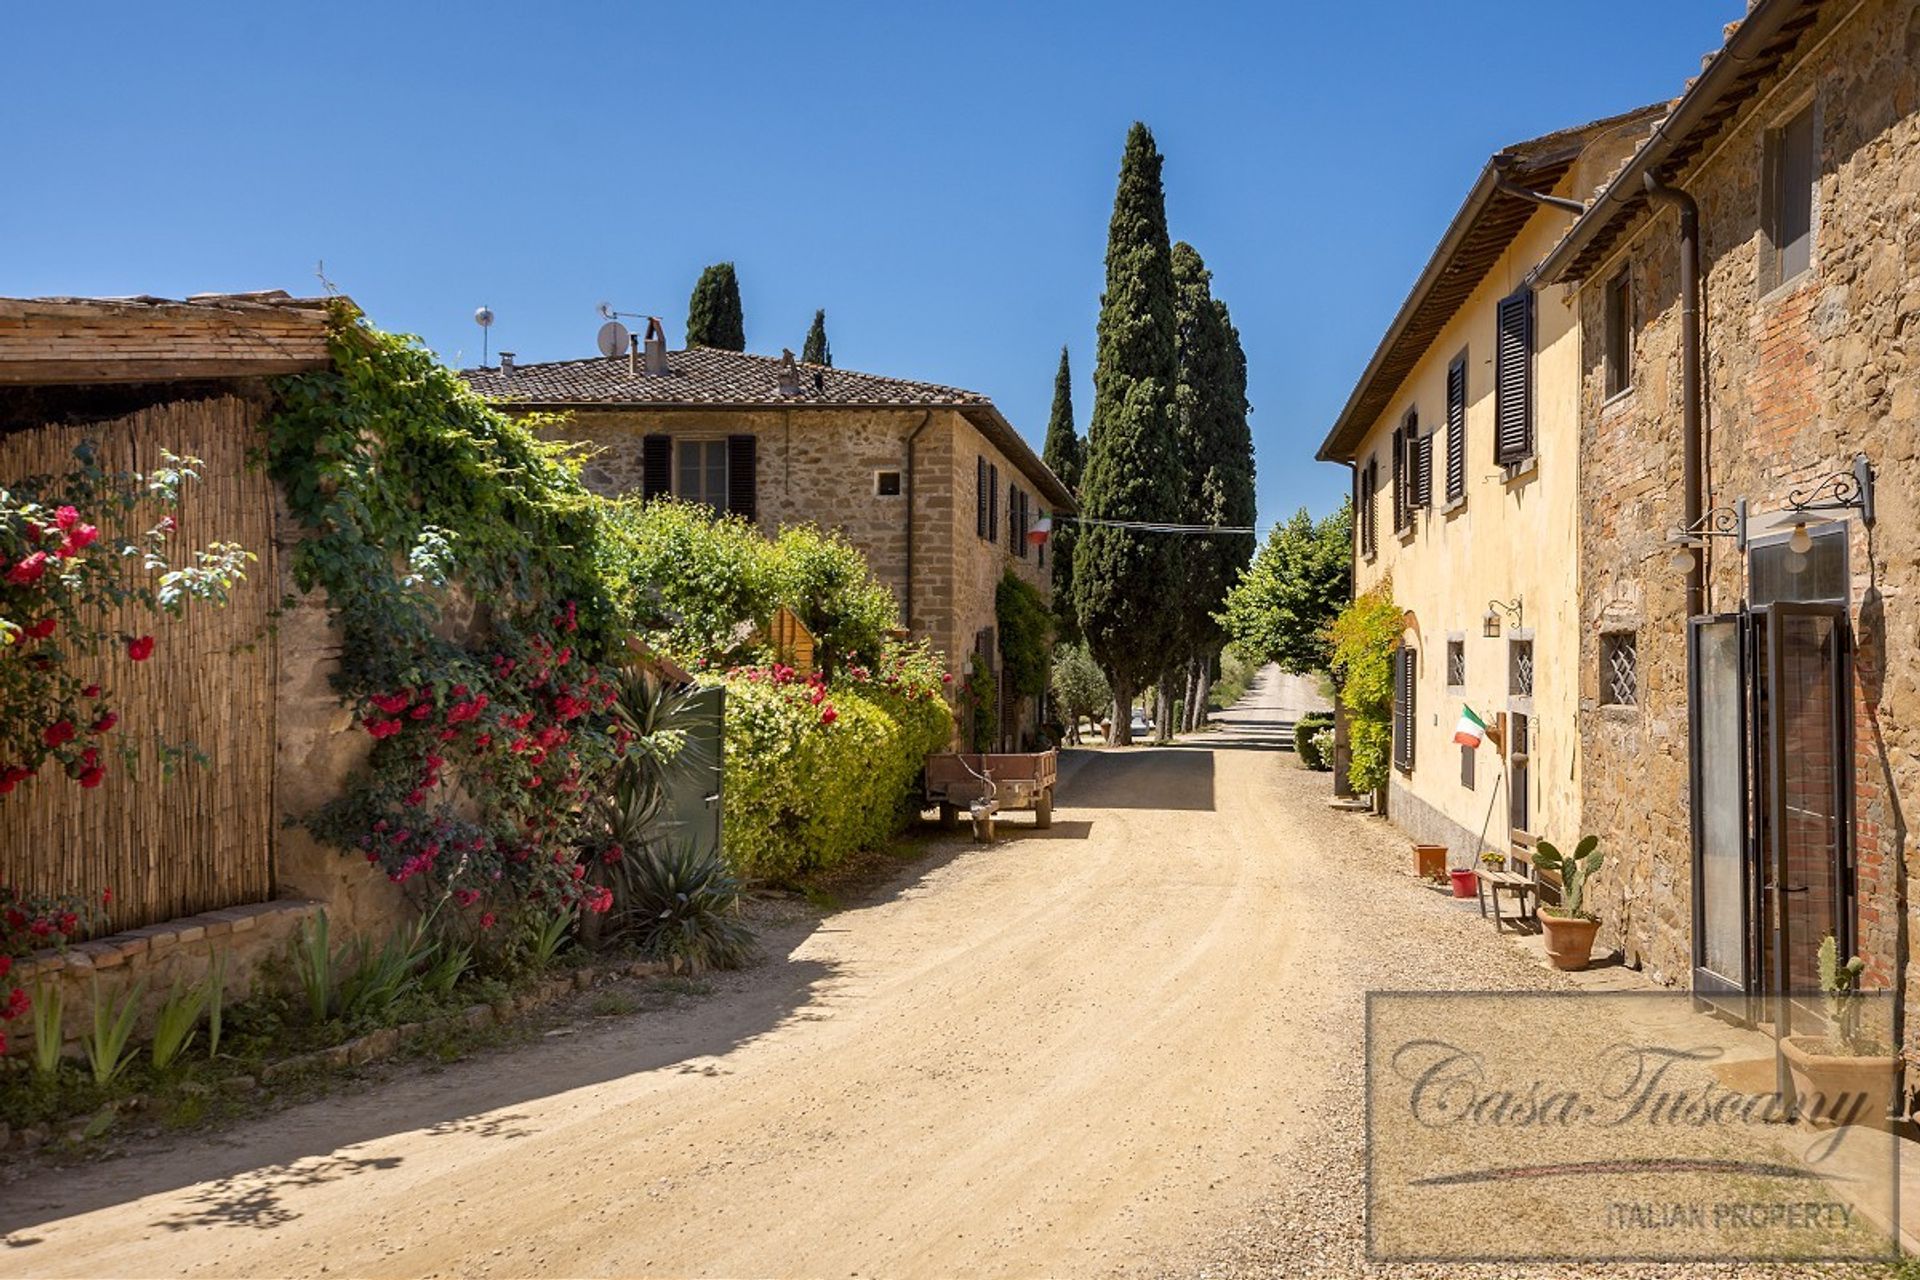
(1801, 375)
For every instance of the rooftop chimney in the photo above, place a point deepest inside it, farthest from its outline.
(506, 363)
(656, 346)
(789, 375)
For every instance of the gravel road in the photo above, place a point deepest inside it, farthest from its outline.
(1127, 1046)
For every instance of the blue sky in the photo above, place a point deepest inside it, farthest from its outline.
(939, 179)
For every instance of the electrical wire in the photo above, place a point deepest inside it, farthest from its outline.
(1158, 526)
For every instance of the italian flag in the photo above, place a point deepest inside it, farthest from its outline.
(1037, 534)
(1468, 732)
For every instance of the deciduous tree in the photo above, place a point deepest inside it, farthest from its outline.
(1281, 607)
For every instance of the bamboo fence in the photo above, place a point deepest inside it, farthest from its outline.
(201, 838)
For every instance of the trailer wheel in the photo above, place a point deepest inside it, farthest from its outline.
(949, 817)
(1043, 810)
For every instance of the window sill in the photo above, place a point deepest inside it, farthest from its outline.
(1620, 710)
(1454, 506)
(1787, 288)
(1618, 398)
(1514, 472)
(1406, 535)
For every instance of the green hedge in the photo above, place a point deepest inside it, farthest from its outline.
(1305, 729)
(804, 790)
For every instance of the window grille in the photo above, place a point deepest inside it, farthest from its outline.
(1520, 668)
(1620, 669)
(1456, 663)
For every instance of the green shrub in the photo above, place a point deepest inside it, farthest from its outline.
(817, 770)
(823, 578)
(680, 903)
(1025, 632)
(1307, 740)
(1365, 636)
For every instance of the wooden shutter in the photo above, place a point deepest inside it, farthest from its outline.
(1399, 479)
(1421, 466)
(1368, 515)
(993, 502)
(1405, 664)
(1457, 430)
(980, 497)
(656, 466)
(743, 476)
(1513, 379)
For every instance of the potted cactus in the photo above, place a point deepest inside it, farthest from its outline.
(1570, 928)
(1846, 1075)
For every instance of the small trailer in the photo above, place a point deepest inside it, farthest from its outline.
(981, 785)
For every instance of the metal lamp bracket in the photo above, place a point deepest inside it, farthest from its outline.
(1842, 491)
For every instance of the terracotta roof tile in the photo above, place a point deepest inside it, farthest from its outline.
(704, 376)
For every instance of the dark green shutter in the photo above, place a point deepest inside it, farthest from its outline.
(1513, 379)
(980, 497)
(1457, 430)
(656, 466)
(743, 477)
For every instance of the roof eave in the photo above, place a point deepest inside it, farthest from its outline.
(1342, 441)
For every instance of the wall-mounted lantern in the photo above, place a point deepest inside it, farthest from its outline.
(1721, 522)
(1490, 621)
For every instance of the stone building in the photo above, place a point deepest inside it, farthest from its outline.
(1749, 559)
(1462, 434)
(931, 483)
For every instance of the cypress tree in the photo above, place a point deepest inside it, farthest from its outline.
(1216, 451)
(714, 318)
(815, 350)
(1062, 455)
(1125, 581)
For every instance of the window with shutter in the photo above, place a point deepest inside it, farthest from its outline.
(1013, 519)
(1410, 658)
(1457, 429)
(1369, 517)
(993, 502)
(1026, 520)
(980, 497)
(1399, 479)
(1419, 465)
(743, 480)
(656, 466)
(1513, 379)
(1405, 666)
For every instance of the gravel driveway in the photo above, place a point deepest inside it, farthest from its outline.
(1130, 1045)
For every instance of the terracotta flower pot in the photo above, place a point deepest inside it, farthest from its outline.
(1465, 883)
(1835, 1089)
(1569, 939)
(1430, 861)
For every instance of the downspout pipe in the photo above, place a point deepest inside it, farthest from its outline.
(1690, 402)
(907, 599)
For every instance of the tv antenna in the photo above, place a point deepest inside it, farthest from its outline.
(483, 317)
(608, 313)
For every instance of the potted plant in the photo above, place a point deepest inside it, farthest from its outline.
(1570, 928)
(1494, 861)
(1846, 1075)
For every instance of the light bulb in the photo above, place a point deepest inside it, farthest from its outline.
(1681, 560)
(1801, 542)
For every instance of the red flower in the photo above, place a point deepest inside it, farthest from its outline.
(104, 723)
(486, 920)
(383, 728)
(466, 897)
(58, 733)
(91, 691)
(140, 649)
(28, 571)
(66, 518)
(393, 703)
(421, 712)
(6, 964)
(69, 922)
(91, 778)
(77, 541)
(42, 629)
(599, 899)
(106, 896)
(828, 715)
(17, 1004)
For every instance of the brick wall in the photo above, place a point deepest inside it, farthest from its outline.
(1800, 375)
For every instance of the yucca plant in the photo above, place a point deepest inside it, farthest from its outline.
(679, 902)
(108, 1048)
(1573, 871)
(178, 1023)
(313, 963)
(49, 1011)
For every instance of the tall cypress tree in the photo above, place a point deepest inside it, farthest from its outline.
(1216, 451)
(714, 318)
(815, 350)
(1125, 581)
(1063, 456)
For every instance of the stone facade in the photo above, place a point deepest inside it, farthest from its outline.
(822, 465)
(1800, 376)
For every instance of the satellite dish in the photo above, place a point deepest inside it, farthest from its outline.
(483, 317)
(606, 310)
(614, 339)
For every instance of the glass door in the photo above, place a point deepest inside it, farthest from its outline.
(1725, 885)
(1801, 793)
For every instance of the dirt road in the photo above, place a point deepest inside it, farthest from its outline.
(1072, 1053)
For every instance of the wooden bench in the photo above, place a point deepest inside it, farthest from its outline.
(1499, 882)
